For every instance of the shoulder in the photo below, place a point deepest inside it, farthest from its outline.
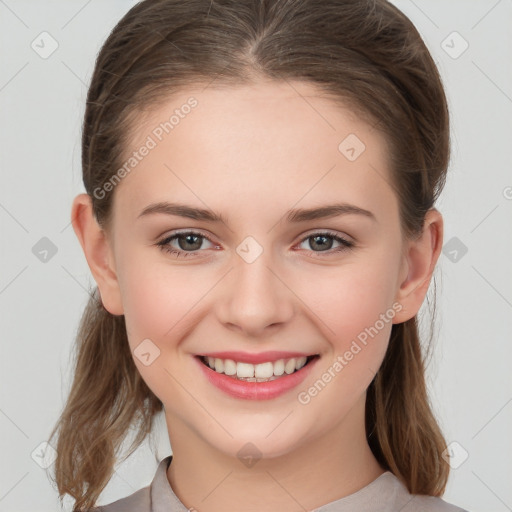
(388, 494)
(156, 496)
(418, 502)
(139, 501)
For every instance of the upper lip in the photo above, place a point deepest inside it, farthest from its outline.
(261, 357)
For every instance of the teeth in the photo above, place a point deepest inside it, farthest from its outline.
(219, 365)
(263, 370)
(256, 372)
(229, 367)
(300, 362)
(244, 370)
(289, 366)
(279, 367)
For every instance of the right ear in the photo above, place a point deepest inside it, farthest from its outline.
(98, 252)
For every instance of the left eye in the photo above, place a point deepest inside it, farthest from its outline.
(321, 240)
(190, 242)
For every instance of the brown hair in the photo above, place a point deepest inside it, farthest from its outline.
(364, 52)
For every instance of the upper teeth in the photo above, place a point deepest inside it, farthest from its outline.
(261, 371)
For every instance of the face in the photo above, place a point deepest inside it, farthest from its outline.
(257, 283)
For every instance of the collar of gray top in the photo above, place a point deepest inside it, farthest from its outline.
(385, 494)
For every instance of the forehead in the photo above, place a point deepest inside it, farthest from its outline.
(253, 144)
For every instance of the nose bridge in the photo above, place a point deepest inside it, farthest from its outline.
(256, 298)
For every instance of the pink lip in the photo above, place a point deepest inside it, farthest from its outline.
(261, 357)
(255, 390)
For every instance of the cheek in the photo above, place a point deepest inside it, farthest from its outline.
(158, 305)
(158, 295)
(353, 306)
(352, 298)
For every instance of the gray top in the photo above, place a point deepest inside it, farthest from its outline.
(385, 494)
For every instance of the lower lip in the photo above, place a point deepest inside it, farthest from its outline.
(256, 390)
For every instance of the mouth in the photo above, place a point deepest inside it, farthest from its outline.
(263, 372)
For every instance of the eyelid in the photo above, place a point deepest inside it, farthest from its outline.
(166, 239)
(327, 231)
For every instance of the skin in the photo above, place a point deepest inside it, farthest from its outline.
(252, 153)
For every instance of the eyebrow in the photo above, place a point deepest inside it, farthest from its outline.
(294, 215)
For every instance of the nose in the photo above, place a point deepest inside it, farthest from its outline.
(255, 298)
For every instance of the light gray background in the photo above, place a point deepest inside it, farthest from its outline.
(42, 102)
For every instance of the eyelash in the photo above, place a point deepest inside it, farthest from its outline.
(164, 244)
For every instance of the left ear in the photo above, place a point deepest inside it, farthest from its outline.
(419, 260)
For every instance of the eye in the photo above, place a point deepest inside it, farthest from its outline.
(189, 242)
(321, 241)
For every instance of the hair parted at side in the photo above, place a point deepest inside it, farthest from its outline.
(365, 53)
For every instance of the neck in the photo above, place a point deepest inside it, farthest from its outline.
(320, 471)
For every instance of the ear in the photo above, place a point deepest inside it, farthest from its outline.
(419, 260)
(97, 251)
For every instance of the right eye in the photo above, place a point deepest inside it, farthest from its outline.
(193, 239)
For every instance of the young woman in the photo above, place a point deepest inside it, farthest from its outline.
(260, 222)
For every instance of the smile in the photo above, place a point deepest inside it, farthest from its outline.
(263, 372)
(262, 380)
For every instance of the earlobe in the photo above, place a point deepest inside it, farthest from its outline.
(97, 251)
(419, 264)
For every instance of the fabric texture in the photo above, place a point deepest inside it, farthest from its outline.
(385, 494)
